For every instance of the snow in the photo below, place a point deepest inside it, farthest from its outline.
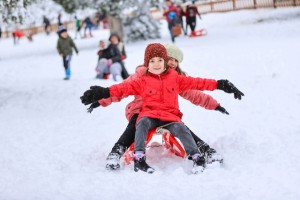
(50, 148)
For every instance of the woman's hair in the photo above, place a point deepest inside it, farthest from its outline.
(179, 71)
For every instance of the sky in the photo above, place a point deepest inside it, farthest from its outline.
(51, 148)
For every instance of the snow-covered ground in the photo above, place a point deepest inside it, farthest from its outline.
(50, 148)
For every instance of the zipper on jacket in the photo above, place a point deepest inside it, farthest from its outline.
(161, 89)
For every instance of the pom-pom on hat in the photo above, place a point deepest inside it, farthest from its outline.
(174, 52)
(155, 50)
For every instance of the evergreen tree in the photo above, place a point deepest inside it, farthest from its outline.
(14, 10)
(140, 24)
(69, 6)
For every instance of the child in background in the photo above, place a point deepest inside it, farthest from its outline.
(102, 60)
(65, 46)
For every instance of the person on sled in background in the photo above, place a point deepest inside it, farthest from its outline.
(191, 13)
(133, 109)
(170, 13)
(110, 60)
(103, 54)
(115, 39)
(159, 89)
(65, 46)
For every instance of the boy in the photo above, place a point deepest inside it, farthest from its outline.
(64, 48)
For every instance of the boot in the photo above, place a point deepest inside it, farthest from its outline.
(199, 163)
(113, 158)
(213, 156)
(210, 154)
(140, 164)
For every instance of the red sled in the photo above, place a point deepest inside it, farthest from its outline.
(169, 142)
(198, 33)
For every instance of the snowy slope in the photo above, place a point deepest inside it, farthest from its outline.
(50, 148)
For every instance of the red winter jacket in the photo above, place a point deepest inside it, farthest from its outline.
(194, 96)
(171, 8)
(160, 93)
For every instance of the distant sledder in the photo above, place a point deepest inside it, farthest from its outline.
(191, 21)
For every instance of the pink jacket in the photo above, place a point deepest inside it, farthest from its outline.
(194, 96)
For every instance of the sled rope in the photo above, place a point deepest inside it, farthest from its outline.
(160, 131)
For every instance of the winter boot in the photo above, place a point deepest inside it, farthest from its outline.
(199, 163)
(203, 147)
(213, 156)
(210, 154)
(140, 164)
(113, 158)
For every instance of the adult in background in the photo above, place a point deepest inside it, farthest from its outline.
(46, 22)
(115, 39)
(181, 14)
(59, 19)
(191, 13)
(78, 27)
(110, 59)
(88, 25)
(170, 14)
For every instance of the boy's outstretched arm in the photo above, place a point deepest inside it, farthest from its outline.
(94, 94)
(228, 87)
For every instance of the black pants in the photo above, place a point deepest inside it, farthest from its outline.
(127, 138)
(192, 23)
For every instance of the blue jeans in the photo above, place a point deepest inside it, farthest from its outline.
(115, 69)
(170, 26)
(67, 61)
(178, 129)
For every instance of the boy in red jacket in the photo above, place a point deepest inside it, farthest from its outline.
(159, 89)
(133, 109)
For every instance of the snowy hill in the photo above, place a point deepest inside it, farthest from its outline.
(50, 148)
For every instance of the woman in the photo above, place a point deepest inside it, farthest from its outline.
(111, 60)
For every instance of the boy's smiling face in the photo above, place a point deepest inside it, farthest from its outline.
(156, 65)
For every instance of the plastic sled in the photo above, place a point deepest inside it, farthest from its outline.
(169, 142)
(199, 33)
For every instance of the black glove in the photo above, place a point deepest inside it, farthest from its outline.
(93, 105)
(222, 110)
(228, 87)
(94, 94)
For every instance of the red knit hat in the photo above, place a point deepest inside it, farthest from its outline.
(155, 50)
